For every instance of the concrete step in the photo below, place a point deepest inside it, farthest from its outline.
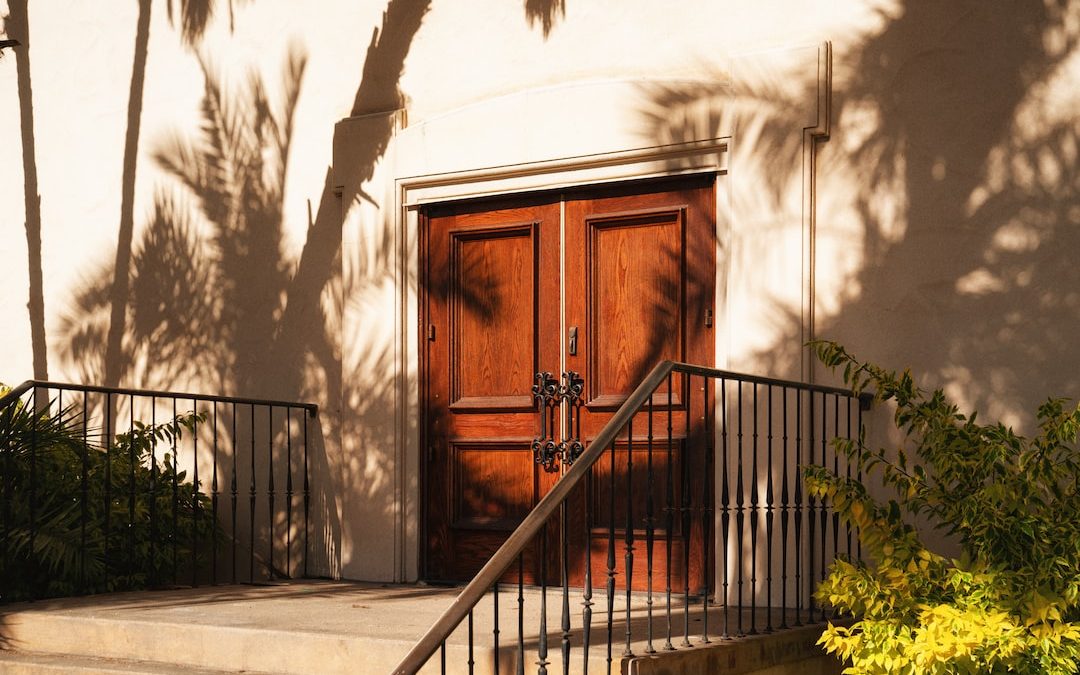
(27, 663)
(338, 627)
(301, 628)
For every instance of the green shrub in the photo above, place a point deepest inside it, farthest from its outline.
(55, 541)
(1011, 602)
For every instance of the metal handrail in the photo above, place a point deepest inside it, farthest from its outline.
(18, 391)
(493, 570)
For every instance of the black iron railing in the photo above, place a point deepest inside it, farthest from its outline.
(720, 496)
(111, 489)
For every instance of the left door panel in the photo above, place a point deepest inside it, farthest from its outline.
(491, 288)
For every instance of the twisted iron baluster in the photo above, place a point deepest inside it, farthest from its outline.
(798, 508)
(754, 504)
(686, 520)
(769, 505)
(669, 510)
(707, 512)
(785, 507)
(725, 506)
(740, 505)
(542, 647)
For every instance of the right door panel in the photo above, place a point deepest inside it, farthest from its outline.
(639, 282)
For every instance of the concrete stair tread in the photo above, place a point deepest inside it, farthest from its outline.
(32, 663)
(328, 627)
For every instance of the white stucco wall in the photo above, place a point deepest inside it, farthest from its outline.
(944, 202)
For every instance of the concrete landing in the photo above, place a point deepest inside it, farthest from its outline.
(339, 627)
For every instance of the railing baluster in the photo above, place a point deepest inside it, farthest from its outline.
(270, 486)
(785, 507)
(542, 642)
(521, 615)
(5, 508)
(153, 496)
(669, 512)
(725, 506)
(847, 475)
(754, 517)
(131, 481)
(84, 485)
(649, 531)
(798, 508)
(823, 513)
(565, 545)
(495, 630)
(628, 538)
(587, 593)
(307, 493)
(195, 491)
(686, 519)
(740, 505)
(707, 512)
(175, 497)
(472, 661)
(288, 492)
(106, 438)
(858, 477)
(251, 503)
(812, 515)
(769, 505)
(611, 559)
(836, 472)
(34, 412)
(214, 502)
(234, 490)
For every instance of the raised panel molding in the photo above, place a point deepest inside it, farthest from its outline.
(481, 261)
(617, 340)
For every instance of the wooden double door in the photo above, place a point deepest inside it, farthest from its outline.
(605, 282)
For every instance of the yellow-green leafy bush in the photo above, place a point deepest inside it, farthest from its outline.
(1011, 602)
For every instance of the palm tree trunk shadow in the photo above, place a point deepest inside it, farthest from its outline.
(18, 25)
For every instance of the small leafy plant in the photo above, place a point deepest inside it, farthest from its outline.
(1011, 602)
(77, 518)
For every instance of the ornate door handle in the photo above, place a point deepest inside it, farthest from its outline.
(550, 395)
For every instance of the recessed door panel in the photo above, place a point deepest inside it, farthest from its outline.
(636, 281)
(493, 313)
